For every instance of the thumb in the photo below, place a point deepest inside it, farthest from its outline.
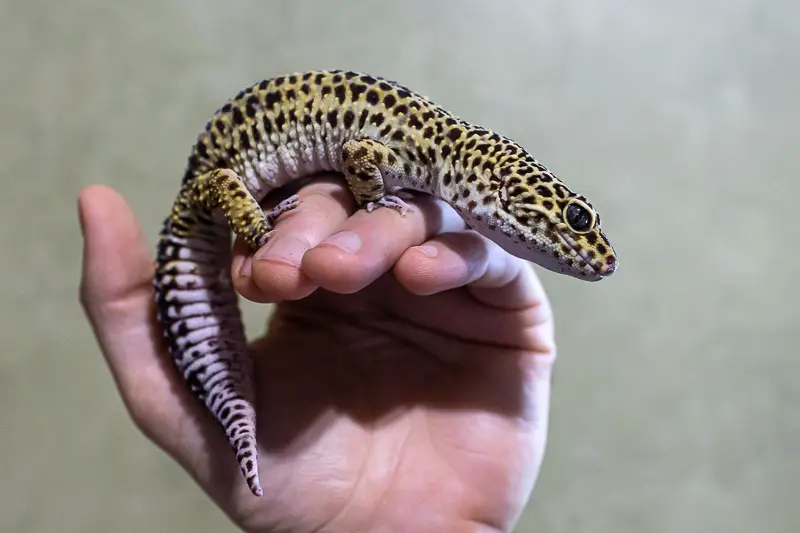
(117, 266)
(117, 295)
(116, 291)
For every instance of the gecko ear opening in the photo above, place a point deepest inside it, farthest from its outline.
(502, 196)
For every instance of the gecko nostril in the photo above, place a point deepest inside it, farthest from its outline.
(610, 266)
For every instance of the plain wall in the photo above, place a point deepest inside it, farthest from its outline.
(676, 392)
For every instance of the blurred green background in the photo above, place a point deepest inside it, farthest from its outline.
(676, 393)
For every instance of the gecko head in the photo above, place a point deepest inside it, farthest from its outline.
(537, 218)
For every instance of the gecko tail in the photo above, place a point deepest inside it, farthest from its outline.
(197, 308)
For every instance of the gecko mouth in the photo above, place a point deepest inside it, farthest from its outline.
(581, 253)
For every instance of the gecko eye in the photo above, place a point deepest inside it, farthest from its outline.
(579, 217)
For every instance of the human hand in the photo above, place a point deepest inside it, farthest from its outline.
(401, 387)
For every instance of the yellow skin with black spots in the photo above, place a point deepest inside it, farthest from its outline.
(384, 139)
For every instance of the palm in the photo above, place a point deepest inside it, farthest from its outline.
(384, 400)
(379, 408)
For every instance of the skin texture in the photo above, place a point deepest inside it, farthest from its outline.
(370, 398)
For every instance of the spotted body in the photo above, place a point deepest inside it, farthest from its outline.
(383, 138)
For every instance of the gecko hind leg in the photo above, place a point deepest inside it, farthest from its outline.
(223, 188)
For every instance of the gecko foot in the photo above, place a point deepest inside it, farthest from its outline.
(285, 205)
(263, 232)
(390, 201)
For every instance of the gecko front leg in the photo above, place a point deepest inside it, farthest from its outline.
(366, 162)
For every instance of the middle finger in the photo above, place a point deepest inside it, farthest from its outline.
(367, 245)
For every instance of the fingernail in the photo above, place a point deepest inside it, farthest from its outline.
(429, 250)
(345, 240)
(243, 265)
(288, 250)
